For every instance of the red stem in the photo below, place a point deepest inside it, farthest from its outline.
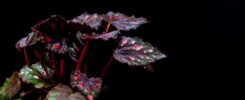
(27, 57)
(85, 68)
(62, 67)
(37, 53)
(44, 90)
(106, 67)
(55, 67)
(150, 68)
(109, 62)
(80, 61)
(107, 27)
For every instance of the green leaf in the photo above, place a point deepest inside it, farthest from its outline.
(63, 92)
(38, 75)
(136, 52)
(10, 87)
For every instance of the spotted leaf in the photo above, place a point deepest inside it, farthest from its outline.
(106, 36)
(73, 51)
(94, 21)
(123, 22)
(103, 36)
(57, 47)
(135, 52)
(89, 87)
(38, 75)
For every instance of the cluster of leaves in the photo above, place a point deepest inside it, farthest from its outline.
(56, 38)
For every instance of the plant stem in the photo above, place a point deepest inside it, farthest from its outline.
(106, 67)
(110, 60)
(37, 53)
(30, 91)
(80, 61)
(150, 68)
(27, 57)
(62, 68)
(107, 27)
(85, 68)
(44, 90)
(27, 93)
(55, 67)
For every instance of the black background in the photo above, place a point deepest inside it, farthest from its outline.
(204, 42)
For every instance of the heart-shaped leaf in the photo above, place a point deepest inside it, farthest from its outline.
(63, 92)
(89, 87)
(94, 21)
(136, 52)
(103, 36)
(123, 22)
(30, 39)
(38, 75)
(10, 87)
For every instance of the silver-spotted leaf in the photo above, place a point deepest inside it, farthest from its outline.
(63, 47)
(104, 36)
(10, 87)
(38, 75)
(30, 39)
(63, 92)
(90, 87)
(57, 47)
(136, 52)
(73, 51)
(94, 21)
(123, 22)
